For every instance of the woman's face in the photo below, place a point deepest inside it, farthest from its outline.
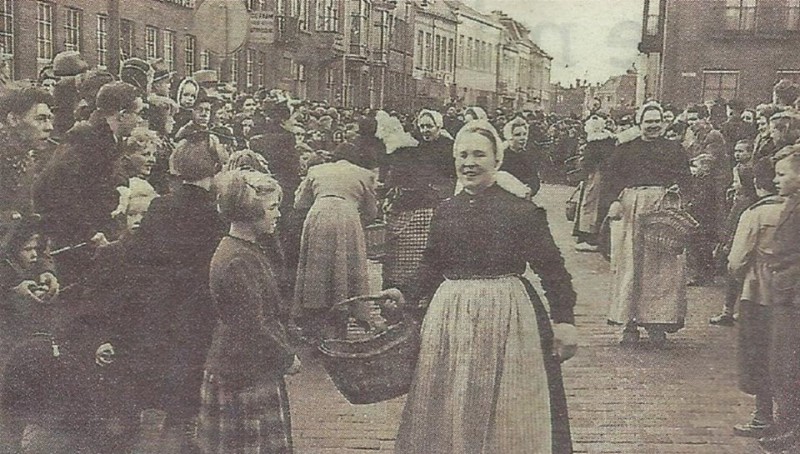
(475, 161)
(28, 254)
(652, 124)
(427, 128)
(271, 204)
(519, 137)
(763, 124)
(249, 107)
(188, 96)
(144, 160)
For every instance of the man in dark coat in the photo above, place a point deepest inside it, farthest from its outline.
(277, 145)
(76, 193)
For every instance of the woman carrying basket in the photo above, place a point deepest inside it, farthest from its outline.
(648, 288)
(488, 377)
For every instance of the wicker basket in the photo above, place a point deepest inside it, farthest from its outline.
(373, 367)
(668, 229)
(375, 235)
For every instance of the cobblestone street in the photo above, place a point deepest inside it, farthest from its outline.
(681, 399)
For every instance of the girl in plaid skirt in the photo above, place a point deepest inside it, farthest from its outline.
(244, 400)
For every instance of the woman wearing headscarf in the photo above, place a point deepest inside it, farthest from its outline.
(520, 160)
(648, 286)
(418, 178)
(340, 199)
(488, 378)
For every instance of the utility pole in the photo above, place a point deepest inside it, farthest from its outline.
(114, 43)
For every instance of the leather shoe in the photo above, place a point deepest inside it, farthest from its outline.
(780, 441)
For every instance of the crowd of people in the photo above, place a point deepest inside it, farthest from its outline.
(168, 246)
(721, 181)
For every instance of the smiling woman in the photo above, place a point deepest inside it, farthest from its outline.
(488, 377)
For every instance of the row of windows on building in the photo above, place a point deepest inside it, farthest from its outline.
(724, 84)
(739, 15)
(436, 52)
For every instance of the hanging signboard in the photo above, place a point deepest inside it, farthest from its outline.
(262, 27)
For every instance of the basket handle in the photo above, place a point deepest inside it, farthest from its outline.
(671, 199)
(357, 299)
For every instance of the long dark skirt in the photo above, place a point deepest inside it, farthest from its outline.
(252, 419)
(754, 346)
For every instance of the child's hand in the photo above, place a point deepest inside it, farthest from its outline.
(26, 290)
(49, 282)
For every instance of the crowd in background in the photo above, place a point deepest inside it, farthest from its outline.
(733, 169)
(115, 193)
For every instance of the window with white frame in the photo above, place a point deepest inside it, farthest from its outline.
(327, 15)
(420, 50)
(428, 51)
(234, 65)
(7, 38)
(262, 70)
(189, 52)
(653, 16)
(718, 84)
(451, 42)
(72, 29)
(126, 38)
(789, 74)
(301, 12)
(101, 35)
(792, 9)
(205, 59)
(168, 40)
(44, 31)
(249, 67)
(740, 14)
(151, 42)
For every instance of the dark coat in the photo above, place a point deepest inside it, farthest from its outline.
(277, 145)
(76, 192)
(159, 299)
(249, 340)
(524, 165)
(425, 174)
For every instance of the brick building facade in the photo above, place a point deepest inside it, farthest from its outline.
(731, 49)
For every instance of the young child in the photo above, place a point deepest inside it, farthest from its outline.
(746, 264)
(741, 195)
(701, 205)
(26, 280)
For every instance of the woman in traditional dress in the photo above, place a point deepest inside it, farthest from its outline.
(649, 286)
(520, 160)
(245, 403)
(488, 379)
(418, 178)
(333, 251)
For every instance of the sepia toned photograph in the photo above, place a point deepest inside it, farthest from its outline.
(399, 226)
